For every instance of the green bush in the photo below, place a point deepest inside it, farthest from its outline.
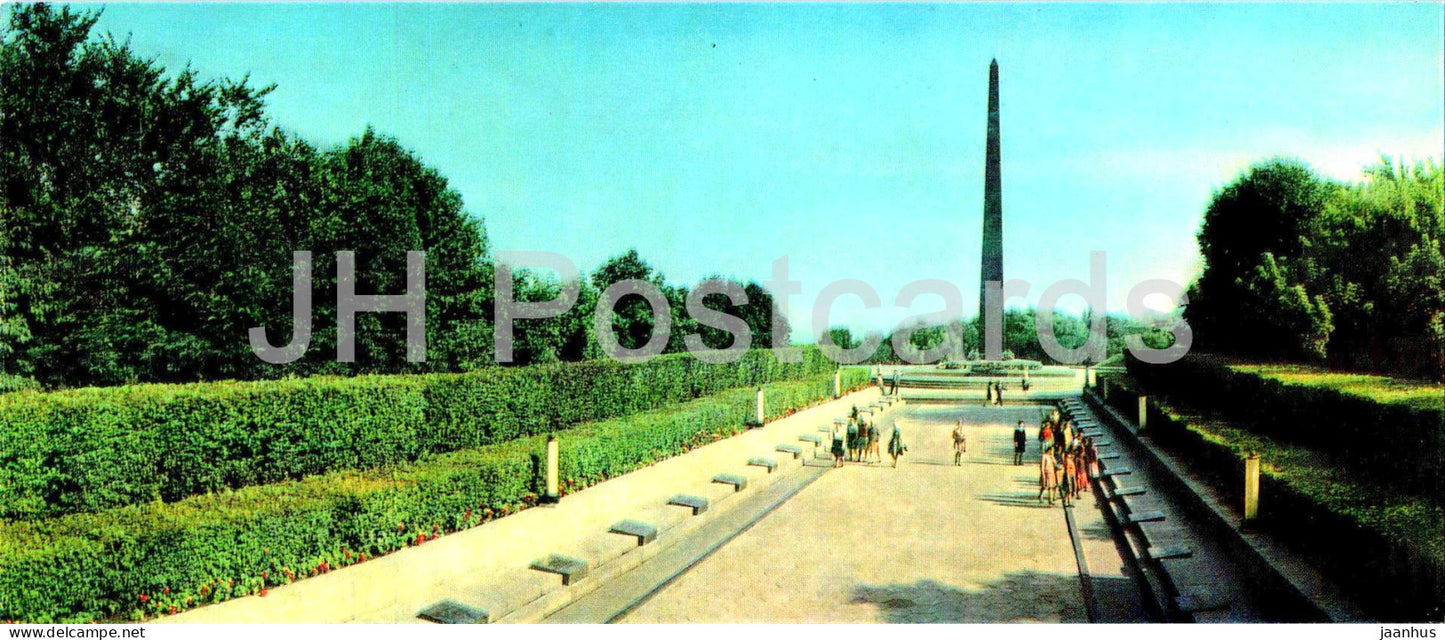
(1397, 442)
(96, 566)
(92, 449)
(11, 382)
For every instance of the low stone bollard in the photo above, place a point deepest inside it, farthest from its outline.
(837, 383)
(1143, 412)
(762, 415)
(552, 454)
(1251, 489)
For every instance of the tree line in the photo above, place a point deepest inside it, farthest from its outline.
(149, 219)
(1299, 267)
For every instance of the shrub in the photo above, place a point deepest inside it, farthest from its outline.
(11, 382)
(94, 566)
(92, 449)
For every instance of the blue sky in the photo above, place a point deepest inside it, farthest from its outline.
(716, 138)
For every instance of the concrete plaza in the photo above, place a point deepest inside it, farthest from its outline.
(925, 542)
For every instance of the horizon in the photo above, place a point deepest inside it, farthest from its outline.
(850, 137)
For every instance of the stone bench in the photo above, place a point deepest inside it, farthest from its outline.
(698, 504)
(1108, 456)
(766, 463)
(1129, 491)
(1167, 551)
(738, 482)
(1152, 515)
(1118, 471)
(571, 569)
(808, 437)
(796, 451)
(1191, 603)
(453, 612)
(644, 532)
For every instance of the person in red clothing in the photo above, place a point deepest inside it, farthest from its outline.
(1066, 481)
(1046, 475)
(1081, 473)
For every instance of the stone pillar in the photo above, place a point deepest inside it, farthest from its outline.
(837, 383)
(1251, 488)
(552, 494)
(1104, 388)
(762, 415)
(1091, 377)
(1143, 412)
(991, 269)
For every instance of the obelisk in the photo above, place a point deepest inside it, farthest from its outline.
(992, 269)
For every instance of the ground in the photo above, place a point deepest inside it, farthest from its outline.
(925, 542)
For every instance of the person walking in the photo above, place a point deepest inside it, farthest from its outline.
(1021, 442)
(1046, 435)
(1081, 473)
(896, 447)
(838, 434)
(1046, 476)
(1091, 458)
(960, 443)
(872, 448)
(998, 395)
(988, 393)
(853, 438)
(1066, 477)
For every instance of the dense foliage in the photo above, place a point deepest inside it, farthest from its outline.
(150, 219)
(1299, 267)
(1020, 336)
(91, 449)
(142, 560)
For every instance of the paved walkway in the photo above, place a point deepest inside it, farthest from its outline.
(925, 542)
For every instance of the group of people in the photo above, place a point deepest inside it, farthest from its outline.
(1066, 458)
(857, 441)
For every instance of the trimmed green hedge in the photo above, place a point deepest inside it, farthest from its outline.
(93, 449)
(1398, 443)
(96, 566)
(1381, 544)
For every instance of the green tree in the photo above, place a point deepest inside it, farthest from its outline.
(1272, 209)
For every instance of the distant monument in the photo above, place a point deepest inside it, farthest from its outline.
(992, 270)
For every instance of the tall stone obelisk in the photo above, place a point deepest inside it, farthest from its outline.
(992, 270)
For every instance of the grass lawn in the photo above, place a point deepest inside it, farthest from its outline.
(1418, 394)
